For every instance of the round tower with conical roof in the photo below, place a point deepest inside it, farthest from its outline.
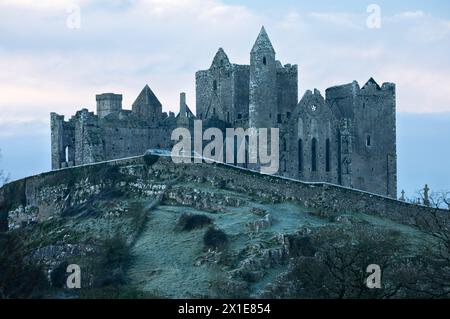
(263, 83)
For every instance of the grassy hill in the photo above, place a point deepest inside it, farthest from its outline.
(148, 228)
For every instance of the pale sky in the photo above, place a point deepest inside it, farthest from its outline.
(46, 66)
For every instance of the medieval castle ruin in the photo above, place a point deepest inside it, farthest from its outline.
(347, 137)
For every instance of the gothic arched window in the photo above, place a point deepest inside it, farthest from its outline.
(327, 155)
(264, 61)
(300, 155)
(66, 154)
(314, 155)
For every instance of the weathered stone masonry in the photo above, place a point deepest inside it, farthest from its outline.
(44, 196)
(347, 137)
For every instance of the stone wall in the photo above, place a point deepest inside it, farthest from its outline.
(48, 192)
(87, 138)
(313, 122)
(348, 138)
(108, 103)
(241, 80)
(374, 161)
(287, 90)
(263, 106)
(371, 111)
(222, 90)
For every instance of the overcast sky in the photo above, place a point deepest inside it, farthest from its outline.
(46, 66)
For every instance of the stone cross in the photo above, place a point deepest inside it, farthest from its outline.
(426, 198)
(402, 198)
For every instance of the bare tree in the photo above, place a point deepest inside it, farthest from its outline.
(338, 268)
(435, 199)
(444, 198)
(436, 269)
(439, 199)
(3, 176)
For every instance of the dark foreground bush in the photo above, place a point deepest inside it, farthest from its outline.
(190, 222)
(215, 238)
(339, 267)
(115, 254)
(301, 246)
(18, 278)
(150, 159)
(116, 292)
(58, 277)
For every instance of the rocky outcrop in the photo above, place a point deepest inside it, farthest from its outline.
(269, 221)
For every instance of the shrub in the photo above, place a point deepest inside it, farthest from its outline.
(18, 279)
(224, 288)
(58, 276)
(189, 222)
(150, 159)
(115, 252)
(114, 277)
(338, 269)
(215, 238)
(114, 292)
(394, 232)
(112, 262)
(301, 246)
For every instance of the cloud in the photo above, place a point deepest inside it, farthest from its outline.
(419, 26)
(408, 15)
(42, 5)
(346, 20)
(419, 89)
(432, 31)
(123, 45)
(157, 42)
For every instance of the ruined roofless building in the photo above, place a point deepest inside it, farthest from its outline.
(347, 137)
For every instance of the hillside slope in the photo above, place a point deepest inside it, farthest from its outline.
(146, 227)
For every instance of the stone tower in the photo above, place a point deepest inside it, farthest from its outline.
(263, 83)
(375, 160)
(147, 105)
(108, 103)
(214, 89)
(347, 137)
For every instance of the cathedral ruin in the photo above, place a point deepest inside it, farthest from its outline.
(347, 137)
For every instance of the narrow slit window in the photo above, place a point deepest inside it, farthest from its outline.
(327, 155)
(66, 154)
(314, 155)
(300, 155)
